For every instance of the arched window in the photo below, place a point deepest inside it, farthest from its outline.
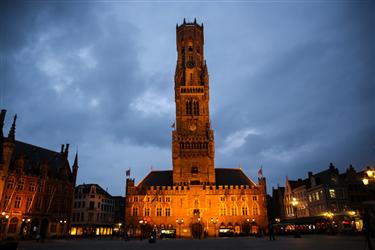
(167, 211)
(196, 108)
(159, 211)
(223, 210)
(255, 209)
(147, 211)
(189, 108)
(234, 210)
(244, 210)
(135, 211)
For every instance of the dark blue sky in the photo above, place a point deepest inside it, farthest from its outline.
(292, 83)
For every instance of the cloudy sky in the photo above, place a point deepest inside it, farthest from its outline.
(291, 83)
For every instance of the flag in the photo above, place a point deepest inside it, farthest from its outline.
(127, 173)
(260, 172)
(173, 125)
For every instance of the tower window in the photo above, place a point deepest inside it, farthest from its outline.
(196, 107)
(189, 110)
(190, 48)
(194, 170)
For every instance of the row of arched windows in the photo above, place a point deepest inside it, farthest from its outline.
(159, 211)
(193, 145)
(234, 210)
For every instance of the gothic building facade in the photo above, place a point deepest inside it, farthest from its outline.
(36, 188)
(195, 198)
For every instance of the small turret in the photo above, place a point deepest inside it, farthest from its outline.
(75, 169)
(12, 131)
(2, 118)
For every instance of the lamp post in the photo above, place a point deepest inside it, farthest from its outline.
(214, 221)
(295, 204)
(179, 222)
(369, 176)
(142, 223)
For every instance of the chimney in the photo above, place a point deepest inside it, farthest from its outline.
(310, 174)
(67, 150)
(62, 148)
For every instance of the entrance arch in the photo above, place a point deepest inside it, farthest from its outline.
(196, 230)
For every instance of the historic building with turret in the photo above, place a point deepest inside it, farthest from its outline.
(36, 188)
(194, 199)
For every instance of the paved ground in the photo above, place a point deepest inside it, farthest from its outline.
(307, 242)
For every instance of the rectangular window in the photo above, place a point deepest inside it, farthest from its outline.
(28, 202)
(10, 184)
(20, 185)
(255, 210)
(255, 198)
(159, 211)
(135, 211)
(6, 201)
(168, 212)
(222, 198)
(17, 203)
(32, 187)
(168, 199)
(147, 211)
(332, 193)
(92, 204)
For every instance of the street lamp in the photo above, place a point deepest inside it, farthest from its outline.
(180, 222)
(214, 221)
(369, 176)
(295, 204)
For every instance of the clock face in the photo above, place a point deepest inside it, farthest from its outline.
(190, 64)
(192, 127)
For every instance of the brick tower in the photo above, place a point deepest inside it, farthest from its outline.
(192, 138)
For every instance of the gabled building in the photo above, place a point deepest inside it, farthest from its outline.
(194, 198)
(93, 211)
(36, 188)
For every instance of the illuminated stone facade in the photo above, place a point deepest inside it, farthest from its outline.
(195, 198)
(36, 188)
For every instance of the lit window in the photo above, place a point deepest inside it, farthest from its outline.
(168, 199)
(167, 211)
(17, 203)
(32, 187)
(244, 210)
(135, 211)
(28, 202)
(20, 185)
(159, 211)
(255, 210)
(234, 210)
(332, 193)
(147, 211)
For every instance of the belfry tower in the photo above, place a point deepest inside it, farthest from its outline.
(192, 139)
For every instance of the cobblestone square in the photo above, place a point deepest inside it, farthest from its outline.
(309, 242)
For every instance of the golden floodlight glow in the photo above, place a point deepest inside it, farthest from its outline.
(370, 173)
(365, 181)
(294, 202)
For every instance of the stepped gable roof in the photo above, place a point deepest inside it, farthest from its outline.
(36, 156)
(224, 176)
(86, 189)
(327, 177)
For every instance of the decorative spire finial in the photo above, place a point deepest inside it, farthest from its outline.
(12, 131)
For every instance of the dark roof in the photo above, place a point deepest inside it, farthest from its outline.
(158, 178)
(298, 183)
(224, 176)
(36, 156)
(232, 176)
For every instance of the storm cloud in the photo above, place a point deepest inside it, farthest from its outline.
(291, 84)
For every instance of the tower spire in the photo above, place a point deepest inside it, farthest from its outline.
(12, 131)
